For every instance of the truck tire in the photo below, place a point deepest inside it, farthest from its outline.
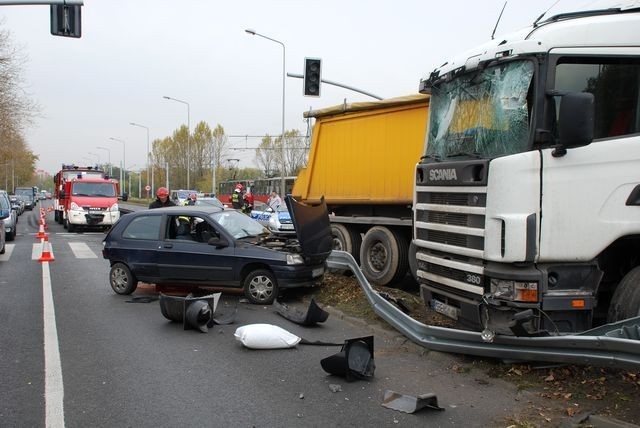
(413, 261)
(346, 239)
(70, 227)
(625, 302)
(384, 256)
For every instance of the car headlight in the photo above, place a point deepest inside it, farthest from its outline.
(517, 291)
(294, 259)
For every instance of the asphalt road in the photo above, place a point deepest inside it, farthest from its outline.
(124, 364)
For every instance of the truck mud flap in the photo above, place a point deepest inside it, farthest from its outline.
(613, 345)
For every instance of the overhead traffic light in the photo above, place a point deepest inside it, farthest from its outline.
(66, 20)
(312, 76)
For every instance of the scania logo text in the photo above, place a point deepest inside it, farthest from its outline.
(443, 174)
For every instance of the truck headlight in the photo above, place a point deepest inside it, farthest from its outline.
(517, 291)
(294, 259)
(114, 207)
(74, 207)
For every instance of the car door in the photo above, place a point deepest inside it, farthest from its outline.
(137, 245)
(188, 257)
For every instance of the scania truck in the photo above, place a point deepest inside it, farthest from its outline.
(527, 197)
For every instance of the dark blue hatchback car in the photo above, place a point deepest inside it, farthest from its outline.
(210, 246)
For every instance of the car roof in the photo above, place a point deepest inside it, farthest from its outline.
(202, 209)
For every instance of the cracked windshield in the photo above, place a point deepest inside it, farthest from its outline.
(482, 114)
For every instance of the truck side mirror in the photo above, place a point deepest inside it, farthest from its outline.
(575, 121)
(125, 196)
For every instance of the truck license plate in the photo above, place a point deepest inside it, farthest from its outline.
(444, 309)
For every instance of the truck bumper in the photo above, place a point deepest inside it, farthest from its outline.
(102, 218)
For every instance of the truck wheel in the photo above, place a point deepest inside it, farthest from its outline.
(384, 256)
(55, 216)
(413, 261)
(70, 227)
(260, 287)
(346, 239)
(625, 302)
(122, 280)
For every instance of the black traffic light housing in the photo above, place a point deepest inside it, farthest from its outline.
(312, 76)
(66, 20)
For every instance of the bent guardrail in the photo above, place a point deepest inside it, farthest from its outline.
(613, 345)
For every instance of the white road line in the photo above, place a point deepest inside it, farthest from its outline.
(8, 249)
(82, 250)
(36, 251)
(53, 385)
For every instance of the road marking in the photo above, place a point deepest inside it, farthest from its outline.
(53, 385)
(82, 250)
(8, 249)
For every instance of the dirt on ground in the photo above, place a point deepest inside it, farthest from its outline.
(564, 393)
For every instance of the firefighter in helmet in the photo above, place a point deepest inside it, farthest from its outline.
(236, 198)
(162, 199)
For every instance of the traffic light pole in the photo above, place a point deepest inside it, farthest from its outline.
(329, 82)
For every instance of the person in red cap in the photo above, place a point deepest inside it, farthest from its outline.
(192, 199)
(162, 200)
(236, 198)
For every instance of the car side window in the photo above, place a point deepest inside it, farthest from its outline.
(143, 227)
(190, 228)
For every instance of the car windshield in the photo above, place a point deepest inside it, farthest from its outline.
(238, 224)
(483, 113)
(210, 201)
(94, 189)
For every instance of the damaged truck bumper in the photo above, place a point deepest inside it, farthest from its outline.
(613, 345)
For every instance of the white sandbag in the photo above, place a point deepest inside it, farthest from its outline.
(265, 336)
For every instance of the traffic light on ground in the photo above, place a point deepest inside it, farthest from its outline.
(312, 68)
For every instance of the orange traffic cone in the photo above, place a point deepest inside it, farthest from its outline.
(46, 252)
(41, 234)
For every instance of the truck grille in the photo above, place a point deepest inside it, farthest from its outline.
(449, 232)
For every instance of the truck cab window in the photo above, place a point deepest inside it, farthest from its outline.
(614, 82)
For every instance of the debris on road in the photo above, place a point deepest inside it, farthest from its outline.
(409, 403)
(314, 314)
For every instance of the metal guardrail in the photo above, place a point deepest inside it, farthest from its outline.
(613, 345)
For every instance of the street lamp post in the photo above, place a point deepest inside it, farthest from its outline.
(148, 156)
(253, 33)
(108, 157)
(124, 161)
(188, 134)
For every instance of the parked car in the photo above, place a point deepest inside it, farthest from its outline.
(277, 220)
(210, 201)
(179, 197)
(11, 220)
(17, 204)
(212, 246)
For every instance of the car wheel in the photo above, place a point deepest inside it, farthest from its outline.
(384, 256)
(11, 236)
(122, 280)
(260, 287)
(625, 302)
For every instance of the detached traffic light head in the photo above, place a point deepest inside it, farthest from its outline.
(312, 76)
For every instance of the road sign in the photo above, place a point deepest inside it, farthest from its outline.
(147, 187)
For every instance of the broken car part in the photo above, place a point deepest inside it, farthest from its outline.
(313, 315)
(409, 403)
(193, 312)
(354, 361)
(612, 345)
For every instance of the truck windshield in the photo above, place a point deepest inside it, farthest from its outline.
(483, 113)
(94, 189)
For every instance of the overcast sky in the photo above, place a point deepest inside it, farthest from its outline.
(132, 53)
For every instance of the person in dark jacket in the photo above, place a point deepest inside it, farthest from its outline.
(162, 200)
(192, 199)
(236, 198)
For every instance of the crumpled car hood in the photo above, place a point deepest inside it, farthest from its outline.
(313, 229)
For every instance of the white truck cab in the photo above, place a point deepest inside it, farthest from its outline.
(527, 198)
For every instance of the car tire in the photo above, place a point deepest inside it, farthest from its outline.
(625, 302)
(11, 236)
(384, 256)
(260, 287)
(122, 280)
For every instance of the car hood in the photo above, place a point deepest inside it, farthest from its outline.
(313, 229)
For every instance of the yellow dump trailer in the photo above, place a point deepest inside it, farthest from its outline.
(361, 161)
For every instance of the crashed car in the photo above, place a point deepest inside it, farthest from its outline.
(211, 246)
(277, 220)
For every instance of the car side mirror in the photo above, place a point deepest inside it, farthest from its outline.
(218, 242)
(575, 121)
